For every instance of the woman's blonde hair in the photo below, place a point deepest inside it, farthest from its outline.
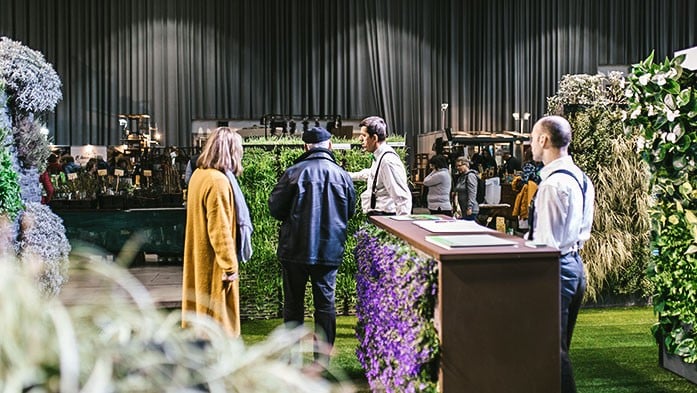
(223, 151)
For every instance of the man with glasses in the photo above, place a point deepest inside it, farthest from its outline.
(387, 193)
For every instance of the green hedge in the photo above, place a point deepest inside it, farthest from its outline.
(261, 293)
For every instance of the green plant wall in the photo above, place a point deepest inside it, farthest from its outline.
(663, 112)
(617, 253)
(10, 194)
(261, 285)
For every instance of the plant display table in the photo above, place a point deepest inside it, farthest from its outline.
(497, 313)
(161, 229)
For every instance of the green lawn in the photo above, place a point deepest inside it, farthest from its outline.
(612, 352)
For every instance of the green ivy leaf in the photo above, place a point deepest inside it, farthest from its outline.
(672, 86)
(684, 97)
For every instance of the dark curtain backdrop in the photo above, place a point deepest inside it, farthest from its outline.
(180, 60)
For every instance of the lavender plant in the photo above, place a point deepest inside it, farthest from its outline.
(398, 344)
(43, 244)
(32, 83)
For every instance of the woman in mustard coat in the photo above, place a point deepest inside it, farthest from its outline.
(210, 278)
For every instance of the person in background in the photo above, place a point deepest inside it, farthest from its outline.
(531, 168)
(562, 217)
(210, 274)
(466, 189)
(510, 165)
(52, 168)
(190, 168)
(69, 164)
(314, 200)
(387, 193)
(439, 183)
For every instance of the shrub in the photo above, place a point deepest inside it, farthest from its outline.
(43, 243)
(32, 83)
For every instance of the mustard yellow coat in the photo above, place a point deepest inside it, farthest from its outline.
(209, 250)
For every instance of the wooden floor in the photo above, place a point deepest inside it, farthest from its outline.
(163, 284)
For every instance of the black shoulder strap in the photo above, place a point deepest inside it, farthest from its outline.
(374, 196)
(583, 187)
(531, 208)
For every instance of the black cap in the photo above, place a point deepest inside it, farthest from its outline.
(316, 135)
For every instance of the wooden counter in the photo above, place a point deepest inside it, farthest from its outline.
(497, 313)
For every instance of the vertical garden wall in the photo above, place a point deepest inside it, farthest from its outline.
(616, 255)
(662, 111)
(29, 88)
(260, 284)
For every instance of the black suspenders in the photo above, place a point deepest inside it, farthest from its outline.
(374, 195)
(531, 208)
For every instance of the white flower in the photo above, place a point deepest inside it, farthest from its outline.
(635, 113)
(677, 130)
(651, 111)
(671, 137)
(672, 73)
(640, 144)
(671, 115)
(644, 79)
(660, 79)
(629, 93)
(624, 115)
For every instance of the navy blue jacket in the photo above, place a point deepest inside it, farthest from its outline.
(314, 199)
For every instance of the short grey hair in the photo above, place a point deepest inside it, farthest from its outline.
(323, 145)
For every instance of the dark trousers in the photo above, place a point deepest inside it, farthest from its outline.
(323, 279)
(573, 286)
(448, 213)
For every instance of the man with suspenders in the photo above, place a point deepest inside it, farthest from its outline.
(562, 214)
(387, 193)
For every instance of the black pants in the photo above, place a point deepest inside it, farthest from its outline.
(573, 286)
(448, 213)
(323, 279)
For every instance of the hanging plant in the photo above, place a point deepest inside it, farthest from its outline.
(663, 111)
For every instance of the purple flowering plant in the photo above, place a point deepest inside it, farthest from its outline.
(398, 344)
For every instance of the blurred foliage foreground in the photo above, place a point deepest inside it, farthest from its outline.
(117, 341)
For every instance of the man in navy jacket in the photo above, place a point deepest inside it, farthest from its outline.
(314, 200)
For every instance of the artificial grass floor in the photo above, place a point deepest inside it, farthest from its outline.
(612, 352)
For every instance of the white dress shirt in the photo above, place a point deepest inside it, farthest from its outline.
(560, 218)
(393, 195)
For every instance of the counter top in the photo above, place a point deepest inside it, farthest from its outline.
(416, 237)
